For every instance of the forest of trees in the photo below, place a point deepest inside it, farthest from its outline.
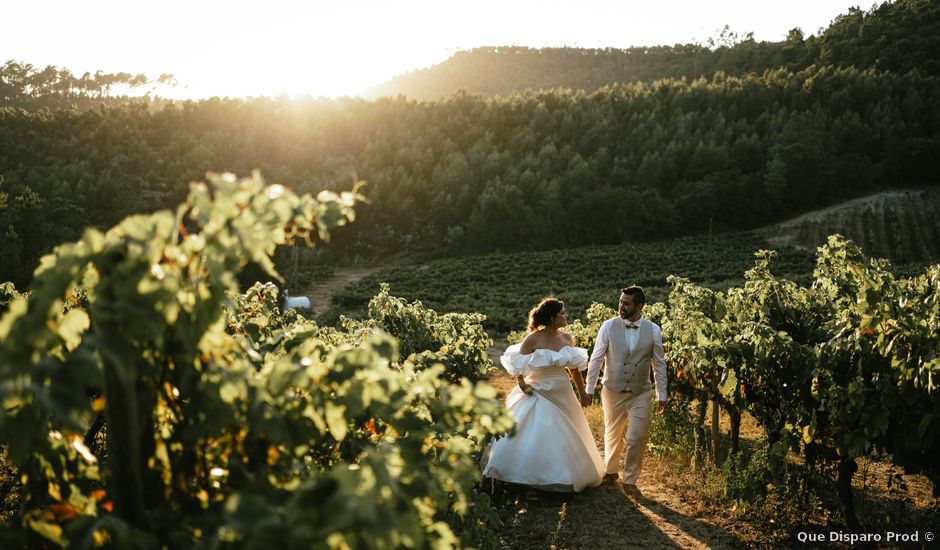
(555, 167)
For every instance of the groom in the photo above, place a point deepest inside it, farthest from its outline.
(629, 345)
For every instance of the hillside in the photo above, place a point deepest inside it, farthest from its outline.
(894, 36)
(902, 225)
(154, 397)
(502, 71)
(504, 286)
(547, 170)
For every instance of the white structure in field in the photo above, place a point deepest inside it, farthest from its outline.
(295, 302)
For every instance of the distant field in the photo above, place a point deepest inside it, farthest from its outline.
(903, 226)
(505, 286)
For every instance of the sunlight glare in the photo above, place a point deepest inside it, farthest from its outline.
(239, 48)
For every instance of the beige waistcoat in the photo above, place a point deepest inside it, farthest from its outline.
(627, 369)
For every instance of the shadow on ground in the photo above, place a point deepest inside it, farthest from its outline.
(599, 517)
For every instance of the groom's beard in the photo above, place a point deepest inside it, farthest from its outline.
(625, 315)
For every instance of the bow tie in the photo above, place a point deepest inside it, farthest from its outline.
(630, 325)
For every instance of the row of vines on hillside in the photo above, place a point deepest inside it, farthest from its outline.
(842, 369)
(505, 286)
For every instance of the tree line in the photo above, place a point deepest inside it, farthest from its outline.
(26, 86)
(897, 36)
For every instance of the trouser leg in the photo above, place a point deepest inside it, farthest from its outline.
(615, 418)
(640, 413)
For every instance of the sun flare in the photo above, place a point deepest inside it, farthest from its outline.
(243, 49)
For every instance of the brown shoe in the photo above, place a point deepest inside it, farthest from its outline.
(610, 478)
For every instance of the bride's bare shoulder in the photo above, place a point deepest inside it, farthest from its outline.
(529, 344)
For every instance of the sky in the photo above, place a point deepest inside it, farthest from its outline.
(267, 47)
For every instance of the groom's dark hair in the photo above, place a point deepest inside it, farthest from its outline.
(638, 296)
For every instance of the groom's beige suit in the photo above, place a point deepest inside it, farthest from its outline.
(627, 350)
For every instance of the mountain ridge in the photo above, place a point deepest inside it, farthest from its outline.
(893, 36)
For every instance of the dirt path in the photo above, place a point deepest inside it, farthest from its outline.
(321, 294)
(602, 517)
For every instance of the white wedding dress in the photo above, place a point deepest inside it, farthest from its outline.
(553, 448)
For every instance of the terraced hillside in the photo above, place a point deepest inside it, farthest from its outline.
(903, 226)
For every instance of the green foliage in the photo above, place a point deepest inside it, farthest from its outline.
(425, 337)
(878, 387)
(675, 433)
(749, 476)
(8, 294)
(842, 369)
(227, 420)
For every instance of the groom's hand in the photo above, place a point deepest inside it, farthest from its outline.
(586, 399)
(662, 407)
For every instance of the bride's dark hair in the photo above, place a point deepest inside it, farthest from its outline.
(542, 314)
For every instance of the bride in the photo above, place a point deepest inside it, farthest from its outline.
(553, 448)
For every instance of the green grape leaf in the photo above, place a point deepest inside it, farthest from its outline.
(72, 327)
(336, 420)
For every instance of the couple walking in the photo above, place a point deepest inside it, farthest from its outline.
(553, 448)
